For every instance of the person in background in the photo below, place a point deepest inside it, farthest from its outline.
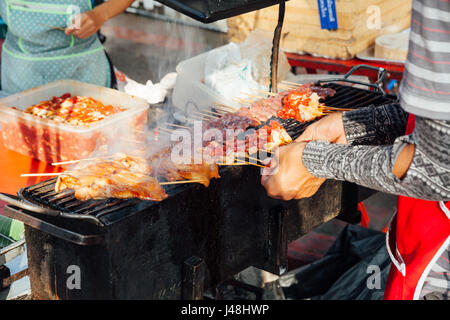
(52, 40)
(400, 149)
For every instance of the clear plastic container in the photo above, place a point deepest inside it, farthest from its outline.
(50, 141)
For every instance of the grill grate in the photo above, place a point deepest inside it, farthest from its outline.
(345, 97)
(351, 97)
(43, 194)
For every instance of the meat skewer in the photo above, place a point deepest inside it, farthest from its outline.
(109, 179)
(126, 176)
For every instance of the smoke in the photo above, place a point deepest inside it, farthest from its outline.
(163, 45)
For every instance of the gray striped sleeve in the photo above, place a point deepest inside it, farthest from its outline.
(371, 166)
(375, 125)
(425, 89)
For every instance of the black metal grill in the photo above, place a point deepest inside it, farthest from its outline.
(100, 211)
(345, 97)
(44, 194)
(134, 249)
(352, 97)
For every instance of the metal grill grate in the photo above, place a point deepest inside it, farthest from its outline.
(345, 97)
(97, 211)
(351, 97)
(44, 194)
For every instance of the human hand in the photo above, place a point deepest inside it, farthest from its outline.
(86, 24)
(289, 179)
(329, 128)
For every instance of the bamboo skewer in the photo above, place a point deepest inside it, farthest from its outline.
(337, 109)
(287, 86)
(53, 27)
(223, 106)
(212, 112)
(244, 101)
(41, 174)
(255, 164)
(176, 125)
(180, 182)
(291, 83)
(266, 92)
(222, 110)
(253, 95)
(250, 163)
(79, 160)
(246, 155)
(206, 115)
(241, 164)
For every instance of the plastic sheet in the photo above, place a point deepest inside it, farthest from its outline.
(237, 69)
(354, 268)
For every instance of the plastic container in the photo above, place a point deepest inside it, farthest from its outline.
(50, 141)
(190, 92)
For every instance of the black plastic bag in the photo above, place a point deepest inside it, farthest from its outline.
(354, 268)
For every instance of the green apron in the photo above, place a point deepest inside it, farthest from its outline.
(35, 54)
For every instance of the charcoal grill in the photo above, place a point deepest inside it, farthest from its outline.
(177, 248)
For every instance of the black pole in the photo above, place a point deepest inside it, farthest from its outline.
(276, 48)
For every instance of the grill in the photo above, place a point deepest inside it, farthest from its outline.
(99, 212)
(345, 97)
(177, 248)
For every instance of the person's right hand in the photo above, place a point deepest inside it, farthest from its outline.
(329, 128)
(89, 23)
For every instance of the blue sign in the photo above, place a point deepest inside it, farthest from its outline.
(327, 14)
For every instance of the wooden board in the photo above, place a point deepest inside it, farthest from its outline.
(347, 19)
(299, 36)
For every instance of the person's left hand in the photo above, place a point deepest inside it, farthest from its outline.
(89, 23)
(290, 179)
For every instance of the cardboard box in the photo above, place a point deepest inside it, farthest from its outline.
(357, 20)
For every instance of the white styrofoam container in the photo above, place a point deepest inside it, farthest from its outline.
(190, 92)
(51, 141)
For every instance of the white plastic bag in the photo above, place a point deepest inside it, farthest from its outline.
(153, 93)
(258, 48)
(238, 69)
(227, 73)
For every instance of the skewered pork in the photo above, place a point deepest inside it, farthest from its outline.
(102, 179)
